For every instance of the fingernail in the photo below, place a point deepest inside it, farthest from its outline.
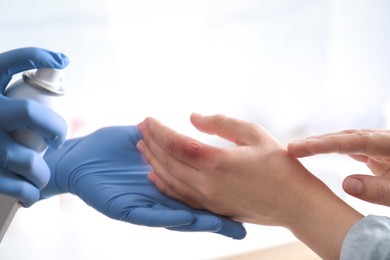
(353, 186)
(146, 122)
(310, 139)
(152, 177)
(140, 146)
(140, 127)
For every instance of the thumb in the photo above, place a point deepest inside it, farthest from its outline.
(231, 129)
(369, 188)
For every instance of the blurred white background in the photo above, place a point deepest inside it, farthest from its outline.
(297, 67)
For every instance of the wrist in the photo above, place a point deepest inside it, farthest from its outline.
(58, 182)
(323, 220)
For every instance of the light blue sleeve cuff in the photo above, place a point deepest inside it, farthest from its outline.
(368, 239)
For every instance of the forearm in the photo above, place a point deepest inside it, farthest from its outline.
(323, 219)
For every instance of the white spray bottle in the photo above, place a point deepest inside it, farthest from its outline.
(43, 86)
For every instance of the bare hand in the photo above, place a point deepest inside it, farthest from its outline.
(367, 145)
(254, 181)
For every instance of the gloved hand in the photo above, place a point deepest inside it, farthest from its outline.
(22, 171)
(106, 170)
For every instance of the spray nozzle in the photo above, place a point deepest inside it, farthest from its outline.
(48, 79)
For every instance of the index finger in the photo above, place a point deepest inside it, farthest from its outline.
(366, 141)
(184, 148)
(18, 60)
(233, 129)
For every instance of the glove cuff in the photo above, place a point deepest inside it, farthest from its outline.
(58, 182)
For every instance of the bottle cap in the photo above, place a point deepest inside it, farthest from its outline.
(47, 79)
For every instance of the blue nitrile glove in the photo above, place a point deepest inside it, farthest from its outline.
(106, 170)
(22, 171)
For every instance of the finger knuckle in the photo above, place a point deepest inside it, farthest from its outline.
(25, 192)
(220, 163)
(364, 132)
(169, 143)
(35, 53)
(219, 118)
(383, 193)
(165, 163)
(28, 164)
(27, 108)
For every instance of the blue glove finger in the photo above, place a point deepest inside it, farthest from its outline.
(205, 223)
(23, 59)
(18, 188)
(152, 217)
(201, 222)
(133, 134)
(229, 227)
(136, 208)
(23, 162)
(29, 114)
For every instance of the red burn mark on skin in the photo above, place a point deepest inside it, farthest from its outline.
(191, 149)
(195, 146)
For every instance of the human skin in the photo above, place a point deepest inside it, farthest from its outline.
(254, 181)
(370, 146)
